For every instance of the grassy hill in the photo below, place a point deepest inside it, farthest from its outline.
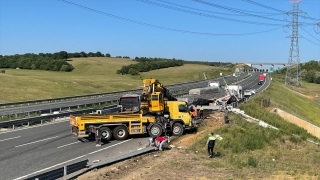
(91, 75)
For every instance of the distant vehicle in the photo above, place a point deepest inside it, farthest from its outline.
(234, 74)
(261, 79)
(247, 93)
(214, 84)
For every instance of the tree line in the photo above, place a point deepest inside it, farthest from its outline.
(41, 61)
(310, 70)
(147, 64)
(46, 61)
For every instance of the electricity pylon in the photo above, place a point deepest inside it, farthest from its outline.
(293, 75)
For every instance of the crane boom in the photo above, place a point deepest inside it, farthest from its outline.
(154, 95)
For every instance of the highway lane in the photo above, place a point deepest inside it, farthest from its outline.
(252, 83)
(65, 104)
(30, 150)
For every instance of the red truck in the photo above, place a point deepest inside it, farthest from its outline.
(261, 79)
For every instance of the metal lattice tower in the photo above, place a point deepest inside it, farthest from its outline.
(293, 75)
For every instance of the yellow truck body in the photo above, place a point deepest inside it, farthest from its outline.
(176, 120)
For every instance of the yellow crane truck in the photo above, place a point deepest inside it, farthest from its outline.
(155, 112)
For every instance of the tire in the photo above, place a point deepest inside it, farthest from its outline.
(177, 129)
(106, 133)
(155, 130)
(120, 133)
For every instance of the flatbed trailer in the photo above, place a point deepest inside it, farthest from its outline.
(120, 126)
(117, 125)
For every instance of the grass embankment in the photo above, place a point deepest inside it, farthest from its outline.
(91, 75)
(283, 98)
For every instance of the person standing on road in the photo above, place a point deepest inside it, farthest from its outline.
(201, 112)
(98, 137)
(160, 141)
(210, 143)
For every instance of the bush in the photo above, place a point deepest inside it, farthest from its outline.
(317, 80)
(3, 71)
(310, 76)
(133, 71)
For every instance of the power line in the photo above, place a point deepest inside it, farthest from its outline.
(240, 11)
(161, 27)
(206, 15)
(264, 6)
(310, 34)
(311, 41)
(187, 7)
(314, 19)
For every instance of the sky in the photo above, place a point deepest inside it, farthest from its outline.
(197, 30)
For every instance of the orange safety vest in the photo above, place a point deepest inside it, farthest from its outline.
(194, 113)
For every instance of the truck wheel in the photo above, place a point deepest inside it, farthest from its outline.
(106, 133)
(177, 129)
(120, 133)
(155, 130)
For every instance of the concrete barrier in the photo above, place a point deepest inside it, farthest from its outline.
(311, 128)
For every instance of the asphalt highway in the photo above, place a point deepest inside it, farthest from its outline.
(27, 151)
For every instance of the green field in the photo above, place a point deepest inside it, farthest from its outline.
(91, 75)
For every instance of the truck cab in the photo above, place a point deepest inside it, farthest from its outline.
(130, 103)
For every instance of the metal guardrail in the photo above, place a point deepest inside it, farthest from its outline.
(51, 175)
(84, 167)
(112, 108)
(65, 98)
(76, 167)
(60, 172)
(113, 160)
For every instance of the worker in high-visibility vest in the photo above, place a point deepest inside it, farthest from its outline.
(201, 112)
(210, 143)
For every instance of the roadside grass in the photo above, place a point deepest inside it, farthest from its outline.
(285, 99)
(310, 90)
(252, 151)
(91, 75)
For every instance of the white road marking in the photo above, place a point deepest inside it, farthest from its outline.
(23, 177)
(10, 138)
(30, 127)
(68, 144)
(36, 141)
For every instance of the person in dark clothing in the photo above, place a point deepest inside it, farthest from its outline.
(201, 112)
(98, 137)
(226, 118)
(210, 143)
